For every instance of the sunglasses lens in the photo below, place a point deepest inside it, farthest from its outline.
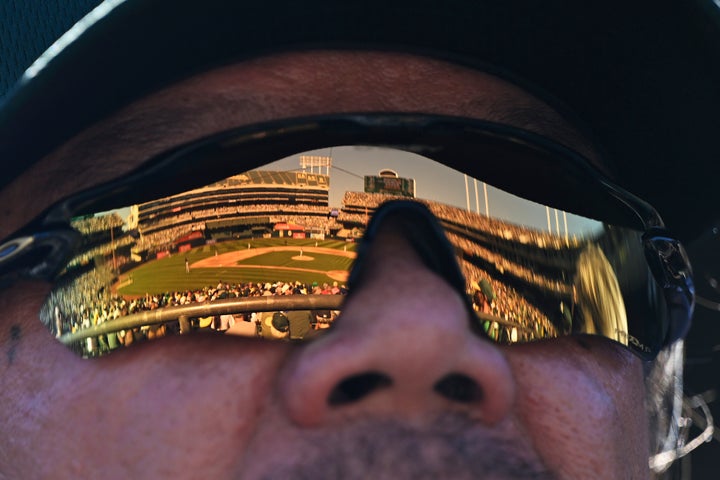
(267, 254)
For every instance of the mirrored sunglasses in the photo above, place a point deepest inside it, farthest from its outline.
(262, 232)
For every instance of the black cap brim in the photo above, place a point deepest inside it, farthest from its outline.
(644, 76)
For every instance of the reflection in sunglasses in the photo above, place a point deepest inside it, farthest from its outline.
(228, 258)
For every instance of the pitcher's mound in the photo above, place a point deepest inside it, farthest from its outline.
(303, 258)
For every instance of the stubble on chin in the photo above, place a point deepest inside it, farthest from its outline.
(450, 446)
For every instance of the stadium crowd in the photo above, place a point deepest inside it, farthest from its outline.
(358, 206)
(97, 224)
(164, 231)
(101, 242)
(163, 239)
(513, 317)
(103, 250)
(168, 217)
(88, 301)
(508, 317)
(525, 273)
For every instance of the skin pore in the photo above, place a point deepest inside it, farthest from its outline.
(236, 408)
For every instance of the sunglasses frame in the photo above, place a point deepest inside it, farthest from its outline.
(41, 249)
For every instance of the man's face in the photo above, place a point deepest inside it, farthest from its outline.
(228, 407)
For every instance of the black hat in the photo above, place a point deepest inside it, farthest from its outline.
(280, 322)
(643, 76)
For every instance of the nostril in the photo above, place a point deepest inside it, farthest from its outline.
(459, 387)
(357, 387)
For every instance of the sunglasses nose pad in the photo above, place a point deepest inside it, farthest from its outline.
(422, 230)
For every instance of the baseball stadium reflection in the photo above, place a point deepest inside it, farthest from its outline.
(266, 254)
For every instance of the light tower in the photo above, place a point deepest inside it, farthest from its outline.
(318, 161)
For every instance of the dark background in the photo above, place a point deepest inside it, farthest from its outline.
(702, 372)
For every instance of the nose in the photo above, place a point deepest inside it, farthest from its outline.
(405, 344)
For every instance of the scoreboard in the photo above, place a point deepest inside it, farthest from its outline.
(404, 187)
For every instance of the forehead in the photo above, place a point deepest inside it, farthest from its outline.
(279, 86)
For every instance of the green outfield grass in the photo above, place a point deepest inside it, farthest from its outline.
(168, 274)
(319, 261)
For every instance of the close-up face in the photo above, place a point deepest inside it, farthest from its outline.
(401, 385)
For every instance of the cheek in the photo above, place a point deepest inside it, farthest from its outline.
(187, 398)
(583, 410)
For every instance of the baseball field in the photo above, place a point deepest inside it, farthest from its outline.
(240, 261)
